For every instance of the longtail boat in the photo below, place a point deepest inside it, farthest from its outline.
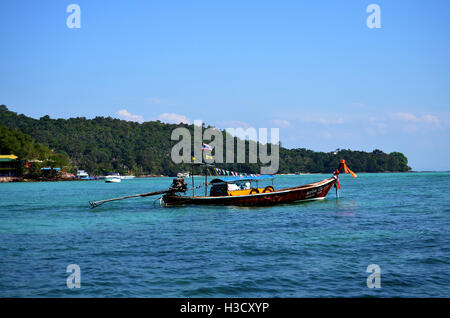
(253, 196)
(221, 194)
(237, 191)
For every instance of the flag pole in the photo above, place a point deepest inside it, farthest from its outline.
(192, 178)
(206, 181)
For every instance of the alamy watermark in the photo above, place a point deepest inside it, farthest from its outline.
(374, 279)
(74, 19)
(74, 279)
(235, 152)
(374, 19)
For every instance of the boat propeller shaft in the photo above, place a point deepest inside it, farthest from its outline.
(178, 185)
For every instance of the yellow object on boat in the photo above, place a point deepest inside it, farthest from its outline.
(245, 191)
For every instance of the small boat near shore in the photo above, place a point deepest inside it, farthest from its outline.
(116, 177)
(113, 177)
(238, 191)
(83, 175)
(128, 177)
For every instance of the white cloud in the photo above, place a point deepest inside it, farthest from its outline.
(325, 121)
(321, 119)
(405, 117)
(410, 118)
(126, 115)
(172, 118)
(430, 119)
(281, 123)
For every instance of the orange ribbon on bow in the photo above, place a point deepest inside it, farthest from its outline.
(346, 169)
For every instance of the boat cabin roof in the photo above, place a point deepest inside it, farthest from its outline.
(242, 178)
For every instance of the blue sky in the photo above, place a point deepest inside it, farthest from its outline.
(312, 68)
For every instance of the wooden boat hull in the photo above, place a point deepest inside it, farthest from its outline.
(313, 191)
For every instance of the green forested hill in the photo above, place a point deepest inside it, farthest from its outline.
(103, 145)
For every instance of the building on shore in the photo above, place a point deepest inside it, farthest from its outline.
(9, 166)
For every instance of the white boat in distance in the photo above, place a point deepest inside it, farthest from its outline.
(116, 177)
(112, 177)
(127, 177)
(81, 174)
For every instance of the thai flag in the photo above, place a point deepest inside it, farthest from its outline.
(206, 147)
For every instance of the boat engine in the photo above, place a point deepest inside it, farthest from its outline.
(178, 185)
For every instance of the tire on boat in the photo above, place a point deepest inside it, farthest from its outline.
(254, 190)
(268, 189)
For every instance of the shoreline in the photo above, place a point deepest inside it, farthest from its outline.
(21, 179)
(41, 179)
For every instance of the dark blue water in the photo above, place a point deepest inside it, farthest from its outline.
(134, 248)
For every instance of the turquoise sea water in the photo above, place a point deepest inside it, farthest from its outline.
(133, 248)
